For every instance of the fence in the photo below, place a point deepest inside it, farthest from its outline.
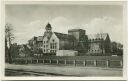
(88, 61)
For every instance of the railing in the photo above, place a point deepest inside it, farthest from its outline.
(74, 62)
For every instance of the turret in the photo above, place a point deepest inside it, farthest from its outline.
(48, 27)
(48, 31)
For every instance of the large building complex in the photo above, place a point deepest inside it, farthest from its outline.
(76, 40)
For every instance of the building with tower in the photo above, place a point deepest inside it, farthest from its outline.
(76, 40)
(51, 41)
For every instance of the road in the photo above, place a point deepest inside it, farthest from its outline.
(55, 70)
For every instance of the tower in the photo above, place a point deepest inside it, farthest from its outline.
(48, 27)
(48, 30)
(77, 33)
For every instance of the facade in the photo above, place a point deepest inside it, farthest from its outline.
(75, 40)
(99, 43)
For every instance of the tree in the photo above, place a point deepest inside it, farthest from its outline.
(8, 41)
(14, 50)
(117, 48)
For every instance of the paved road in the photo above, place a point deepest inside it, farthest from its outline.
(54, 70)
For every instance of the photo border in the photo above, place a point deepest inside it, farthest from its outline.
(75, 2)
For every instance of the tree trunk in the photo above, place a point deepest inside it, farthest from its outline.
(9, 52)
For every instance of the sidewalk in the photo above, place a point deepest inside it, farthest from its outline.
(68, 70)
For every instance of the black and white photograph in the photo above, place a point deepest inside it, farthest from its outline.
(66, 39)
(64, 80)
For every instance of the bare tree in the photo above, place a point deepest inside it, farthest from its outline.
(8, 41)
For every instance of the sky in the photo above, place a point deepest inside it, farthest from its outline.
(30, 20)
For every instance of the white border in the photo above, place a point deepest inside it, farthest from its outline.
(75, 2)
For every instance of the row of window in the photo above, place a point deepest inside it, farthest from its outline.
(45, 46)
(96, 39)
(51, 51)
(94, 50)
(47, 41)
(53, 45)
(45, 50)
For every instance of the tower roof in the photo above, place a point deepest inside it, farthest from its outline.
(48, 26)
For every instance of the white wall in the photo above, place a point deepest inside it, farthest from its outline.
(66, 53)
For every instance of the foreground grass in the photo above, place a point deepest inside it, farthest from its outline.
(61, 70)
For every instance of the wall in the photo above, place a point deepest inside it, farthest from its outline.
(95, 48)
(66, 53)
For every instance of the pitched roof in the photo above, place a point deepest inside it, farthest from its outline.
(63, 36)
(98, 36)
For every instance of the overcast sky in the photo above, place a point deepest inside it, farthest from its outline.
(30, 20)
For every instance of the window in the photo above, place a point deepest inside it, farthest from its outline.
(51, 45)
(55, 46)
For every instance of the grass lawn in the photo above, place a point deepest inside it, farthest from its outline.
(68, 70)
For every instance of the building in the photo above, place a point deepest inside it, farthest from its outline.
(53, 41)
(75, 40)
(99, 43)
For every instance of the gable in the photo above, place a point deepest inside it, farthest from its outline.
(108, 38)
(54, 37)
